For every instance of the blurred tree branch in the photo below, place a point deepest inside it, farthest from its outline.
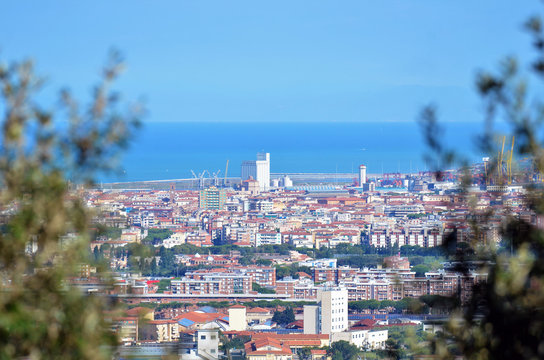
(505, 317)
(42, 152)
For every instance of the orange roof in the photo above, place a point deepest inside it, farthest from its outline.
(254, 347)
(199, 317)
(257, 310)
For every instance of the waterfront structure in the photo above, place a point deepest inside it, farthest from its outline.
(259, 170)
(212, 198)
(286, 181)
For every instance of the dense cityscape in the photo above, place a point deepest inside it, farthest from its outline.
(242, 180)
(274, 268)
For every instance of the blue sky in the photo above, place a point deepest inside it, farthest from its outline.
(262, 61)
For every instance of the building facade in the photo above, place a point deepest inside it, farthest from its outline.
(258, 170)
(212, 198)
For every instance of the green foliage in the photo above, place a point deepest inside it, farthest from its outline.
(155, 236)
(41, 315)
(406, 341)
(109, 232)
(343, 350)
(284, 317)
(291, 270)
(361, 261)
(261, 290)
(164, 285)
(187, 249)
(235, 343)
(216, 304)
(413, 250)
(263, 262)
(504, 319)
(421, 269)
(406, 305)
(304, 353)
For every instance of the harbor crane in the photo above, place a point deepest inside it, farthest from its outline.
(216, 178)
(499, 162)
(201, 180)
(509, 162)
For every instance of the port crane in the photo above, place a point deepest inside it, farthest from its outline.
(509, 162)
(200, 178)
(216, 178)
(504, 163)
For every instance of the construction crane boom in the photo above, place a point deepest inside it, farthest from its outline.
(509, 162)
(499, 165)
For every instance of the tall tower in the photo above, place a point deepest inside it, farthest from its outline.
(258, 170)
(334, 310)
(263, 171)
(330, 315)
(362, 175)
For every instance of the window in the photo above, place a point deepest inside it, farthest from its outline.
(212, 351)
(213, 337)
(202, 337)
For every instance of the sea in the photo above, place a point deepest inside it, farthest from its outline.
(167, 150)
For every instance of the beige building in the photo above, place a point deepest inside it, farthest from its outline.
(237, 318)
(258, 315)
(131, 235)
(160, 330)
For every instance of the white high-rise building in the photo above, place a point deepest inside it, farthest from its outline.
(362, 175)
(258, 170)
(331, 315)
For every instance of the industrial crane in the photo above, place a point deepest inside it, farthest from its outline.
(200, 178)
(499, 162)
(216, 178)
(509, 162)
(226, 172)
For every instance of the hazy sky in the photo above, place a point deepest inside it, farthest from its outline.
(275, 60)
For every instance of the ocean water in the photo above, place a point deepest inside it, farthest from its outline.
(171, 150)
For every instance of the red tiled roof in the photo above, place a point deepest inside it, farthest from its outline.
(257, 310)
(318, 352)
